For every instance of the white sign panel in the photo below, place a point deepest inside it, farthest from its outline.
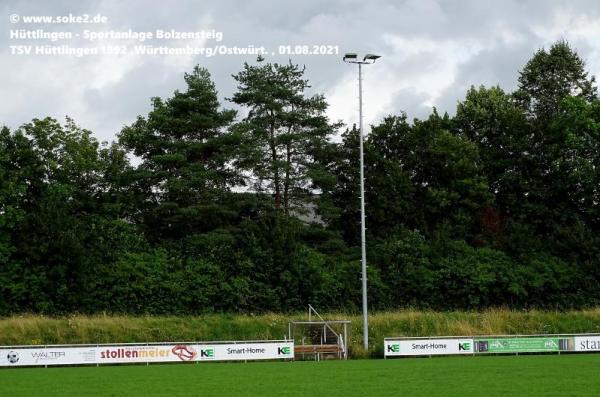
(112, 354)
(254, 351)
(426, 347)
(587, 343)
(51, 355)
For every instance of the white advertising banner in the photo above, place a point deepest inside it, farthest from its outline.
(113, 354)
(146, 354)
(51, 355)
(587, 343)
(254, 351)
(426, 347)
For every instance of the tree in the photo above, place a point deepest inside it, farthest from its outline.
(58, 218)
(549, 77)
(282, 132)
(13, 147)
(574, 145)
(185, 150)
(434, 174)
(555, 171)
(339, 202)
(492, 120)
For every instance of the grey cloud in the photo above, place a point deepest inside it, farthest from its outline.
(457, 44)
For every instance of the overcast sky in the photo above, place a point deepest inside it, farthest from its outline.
(432, 52)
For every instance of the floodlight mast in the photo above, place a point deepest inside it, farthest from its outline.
(368, 59)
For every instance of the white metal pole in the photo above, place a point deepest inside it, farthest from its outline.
(362, 215)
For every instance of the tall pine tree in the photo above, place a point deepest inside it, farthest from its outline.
(283, 132)
(184, 146)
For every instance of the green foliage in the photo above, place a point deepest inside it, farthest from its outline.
(496, 125)
(283, 132)
(185, 150)
(549, 77)
(56, 210)
(496, 206)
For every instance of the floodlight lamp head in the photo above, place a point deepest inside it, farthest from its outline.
(371, 57)
(350, 57)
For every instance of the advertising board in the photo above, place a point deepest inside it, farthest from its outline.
(427, 347)
(586, 343)
(145, 353)
(397, 347)
(51, 355)
(523, 345)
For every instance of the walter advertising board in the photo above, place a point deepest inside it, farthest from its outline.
(144, 353)
(51, 355)
(427, 347)
(523, 345)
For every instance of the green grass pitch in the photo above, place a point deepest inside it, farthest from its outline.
(544, 375)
